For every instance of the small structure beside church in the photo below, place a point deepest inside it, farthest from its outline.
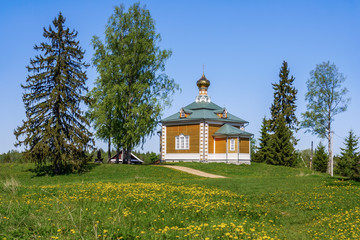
(204, 132)
(134, 159)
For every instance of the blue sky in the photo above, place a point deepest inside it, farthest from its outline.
(241, 43)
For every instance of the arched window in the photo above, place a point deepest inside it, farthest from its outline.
(182, 142)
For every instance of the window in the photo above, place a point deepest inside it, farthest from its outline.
(182, 142)
(232, 144)
(182, 113)
(224, 113)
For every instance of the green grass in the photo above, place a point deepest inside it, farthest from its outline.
(152, 202)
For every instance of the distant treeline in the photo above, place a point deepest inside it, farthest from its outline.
(12, 156)
(15, 156)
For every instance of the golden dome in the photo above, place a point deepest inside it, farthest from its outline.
(203, 82)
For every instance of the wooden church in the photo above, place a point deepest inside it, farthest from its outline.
(204, 132)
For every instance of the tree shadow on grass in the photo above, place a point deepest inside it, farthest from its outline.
(48, 170)
(342, 181)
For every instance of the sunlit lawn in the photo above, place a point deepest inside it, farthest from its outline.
(152, 202)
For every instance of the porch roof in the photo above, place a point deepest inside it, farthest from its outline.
(228, 130)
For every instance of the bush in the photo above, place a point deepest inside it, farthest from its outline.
(321, 159)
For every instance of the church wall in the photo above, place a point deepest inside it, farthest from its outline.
(244, 145)
(220, 145)
(212, 129)
(189, 130)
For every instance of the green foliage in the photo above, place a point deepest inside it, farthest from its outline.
(348, 162)
(12, 156)
(320, 161)
(55, 129)
(262, 154)
(281, 150)
(148, 157)
(306, 156)
(283, 121)
(132, 88)
(326, 98)
(254, 200)
(284, 104)
(253, 149)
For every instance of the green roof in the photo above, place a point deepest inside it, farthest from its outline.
(202, 105)
(228, 130)
(203, 110)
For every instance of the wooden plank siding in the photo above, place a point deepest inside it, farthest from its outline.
(189, 130)
(244, 145)
(220, 145)
(212, 129)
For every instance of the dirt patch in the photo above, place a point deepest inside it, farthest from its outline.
(193, 171)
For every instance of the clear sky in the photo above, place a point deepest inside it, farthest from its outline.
(241, 43)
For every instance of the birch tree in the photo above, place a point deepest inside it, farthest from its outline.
(326, 98)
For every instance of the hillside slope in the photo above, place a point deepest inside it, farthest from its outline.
(152, 202)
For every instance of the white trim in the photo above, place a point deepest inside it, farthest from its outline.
(227, 155)
(219, 157)
(183, 156)
(214, 145)
(238, 148)
(206, 133)
(182, 142)
(231, 156)
(163, 142)
(232, 144)
(201, 138)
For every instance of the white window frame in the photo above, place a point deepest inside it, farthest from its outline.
(232, 144)
(182, 142)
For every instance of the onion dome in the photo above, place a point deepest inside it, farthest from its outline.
(203, 82)
(203, 85)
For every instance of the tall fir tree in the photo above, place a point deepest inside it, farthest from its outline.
(131, 69)
(284, 100)
(55, 128)
(262, 154)
(281, 150)
(349, 159)
(283, 121)
(320, 161)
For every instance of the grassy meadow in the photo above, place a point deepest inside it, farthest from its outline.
(152, 202)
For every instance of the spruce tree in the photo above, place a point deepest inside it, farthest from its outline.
(284, 100)
(55, 128)
(283, 121)
(348, 161)
(320, 161)
(262, 154)
(281, 150)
